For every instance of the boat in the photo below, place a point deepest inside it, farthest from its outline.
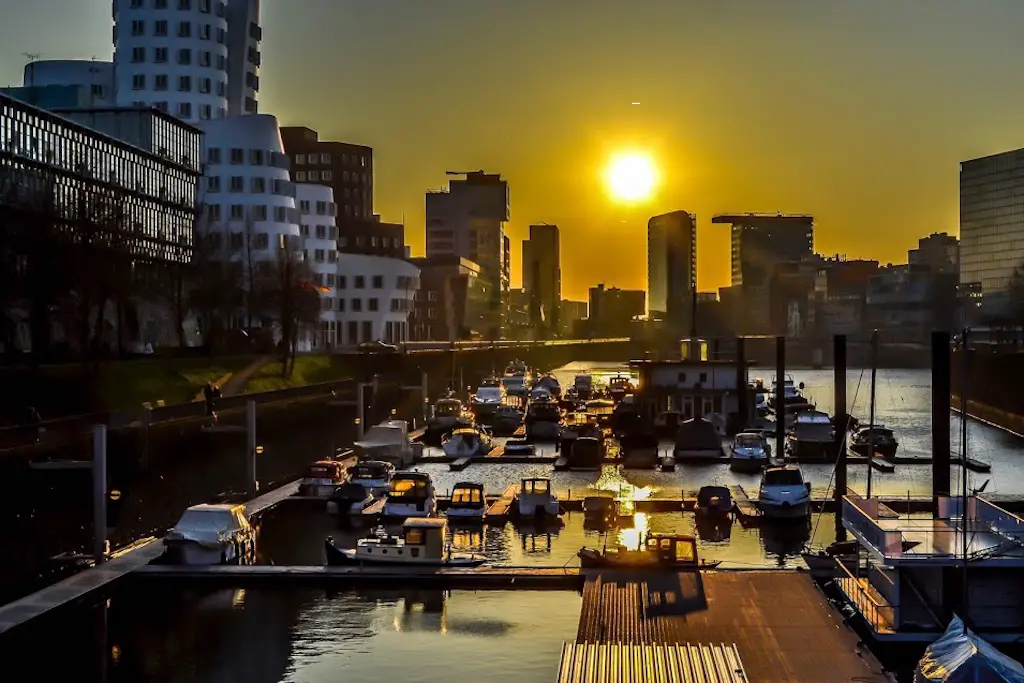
(447, 413)
(667, 422)
(350, 499)
(211, 534)
(411, 494)
(506, 420)
(550, 382)
(670, 552)
(577, 425)
(885, 443)
(620, 386)
(422, 544)
(487, 399)
(468, 502)
(540, 394)
(516, 384)
(601, 409)
(784, 494)
(543, 421)
(587, 453)
(387, 442)
(750, 452)
(697, 439)
(812, 436)
(583, 384)
(519, 447)
(467, 442)
(714, 500)
(536, 499)
(600, 512)
(639, 450)
(962, 656)
(790, 392)
(321, 478)
(515, 367)
(373, 475)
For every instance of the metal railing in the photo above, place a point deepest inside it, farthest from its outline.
(876, 613)
(414, 346)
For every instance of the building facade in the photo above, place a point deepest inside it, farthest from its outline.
(453, 302)
(939, 252)
(672, 268)
(67, 83)
(542, 279)
(469, 220)
(991, 226)
(613, 310)
(760, 240)
(345, 167)
(320, 252)
(375, 296)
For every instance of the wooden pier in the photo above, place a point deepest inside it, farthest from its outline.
(744, 507)
(501, 509)
(782, 626)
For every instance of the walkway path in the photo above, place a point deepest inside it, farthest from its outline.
(236, 381)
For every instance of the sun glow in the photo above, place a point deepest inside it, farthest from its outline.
(631, 177)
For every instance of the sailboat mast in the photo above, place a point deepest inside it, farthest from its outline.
(871, 409)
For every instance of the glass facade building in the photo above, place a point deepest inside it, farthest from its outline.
(150, 196)
(991, 225)
(671, 266)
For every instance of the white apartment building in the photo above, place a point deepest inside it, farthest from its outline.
(374, 297)
(319, 230)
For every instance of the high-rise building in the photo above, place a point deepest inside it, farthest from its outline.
(468, 220)
(196, 59)
(453, 301)
(672, 268)
(542, 278)
(612, 310)
(761, 240)
(939, 252)
(345, 167)
(991, 226)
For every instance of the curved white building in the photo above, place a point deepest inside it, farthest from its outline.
(319, 230)
(375, 295)
(173, 55)
(247, 193)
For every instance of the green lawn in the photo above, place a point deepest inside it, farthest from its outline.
(129, 384)
(308, 370)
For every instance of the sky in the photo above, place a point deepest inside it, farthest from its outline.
(855, 112)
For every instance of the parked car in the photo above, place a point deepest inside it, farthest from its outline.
(377, 346)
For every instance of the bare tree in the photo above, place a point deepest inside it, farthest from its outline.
(215, 292)
(296, 299)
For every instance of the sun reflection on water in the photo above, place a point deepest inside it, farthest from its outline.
(632, 538)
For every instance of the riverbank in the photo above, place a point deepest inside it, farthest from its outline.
(992, 416)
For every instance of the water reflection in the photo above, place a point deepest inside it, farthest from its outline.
(785, 541)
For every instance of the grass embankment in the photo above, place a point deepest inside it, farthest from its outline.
(129, 384)
(308, 370)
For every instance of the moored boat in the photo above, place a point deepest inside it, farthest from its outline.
(373, 475)
(749, 453)
(467, 442)
(784, 494)
(211, 534)
(669, 552)
(812, 436)
(321, 478)
(411, 494)
(536, 499)
(350, 499)
(468, 502)
(885, 443)
(714, 500)
(487, 399)
(422, 544)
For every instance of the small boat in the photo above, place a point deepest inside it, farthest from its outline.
(583, 384)
(790, 392)
(600, 512)
(506, 420)
(669, 552)
(211, 534)
(468, 502)
(714, 500)
(350, 499)
(587, 453)
(373, 475)
(620, 386)
(516, 384)
(422, 544)
(321, 478)
(784, 494)
(536, 499)
(519, 447)
(388, 442)
(601, 409)
(639, 450)
(543, 421)
(467, 443)
(540, 394)
(487, 399)
(666, 423)
(812, 437)
(885, 441)
(550, 382)
(411, 494)
(697, 439)
(749, 453)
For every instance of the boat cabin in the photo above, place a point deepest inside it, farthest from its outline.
(410, 487)
(695, 386)
(371, 470)
(448, 407)
(672, 549)
(421, 536)
(467, 495)
(813, 425)
(601, 408)
(544, 412)
(324, 473)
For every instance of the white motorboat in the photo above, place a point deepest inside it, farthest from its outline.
(211, 534)
(350, 499)
(373, 475)
(784, 494)
(536, 499)
(812, 437)
(468, 502)
(321, 478)
(749, 453)
(467, 442)
(411, 494)
(487, 399)
(422, 544)
(388, 442)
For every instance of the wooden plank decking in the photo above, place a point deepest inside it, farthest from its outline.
(502, 508)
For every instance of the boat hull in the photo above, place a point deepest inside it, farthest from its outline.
(748, 465)
(192, 554)
(885, 450)
(318, 490)
(811, 450)
(336, 557)
(800, 510)
(592, 559)
(406, 510)
(466, 514)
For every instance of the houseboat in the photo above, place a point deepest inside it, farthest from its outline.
(812, 436)
(422, 544)
(411, 494)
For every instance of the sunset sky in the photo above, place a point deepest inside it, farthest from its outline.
(855, 112)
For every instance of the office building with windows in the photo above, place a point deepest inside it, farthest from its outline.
(320, 252)
(991, 227)
(542, 279)
(672, 268)
(344, 167)
(453, 302)
(375, 295)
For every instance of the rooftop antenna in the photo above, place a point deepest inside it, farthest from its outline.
(32, 58)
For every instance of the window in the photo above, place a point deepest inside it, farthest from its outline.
(681, 377)
(367, 330)
(378, 282)
(703, 377)
(160, 28)
(213, 183)
(300, 159)
(262, 240)
(341, 304)
(138, 27)
(346, 193)
(138, 82)
(321, 232)
(253, 55)
(160, 82)
(259, 212)
(160, 4)
(372, 304)
(259, 185)
(205, 32)
(213, 212)
(357, 305)
(360, 282)
(250, 105)
(222, 36)
(185, 110)
(237, 212)
(304, 230)
(304, 207)
(204, 6)
(237, 155)
(204, 85)
(314, 176)
(237, 183)
(318, 255)
(205, 58)
(221, 88)
(325, 158)
(314, 158)
(136, 3)
(300, 176)
(222, 62)
(184, 4)
(96, 90)
(184, 84)
(236, 241)
(256, 157)
(321, 208)
(138, 55)
(184, 29)
(330, 279)
(184, 56)
(326, 175)
(280, 214)
(213, 155)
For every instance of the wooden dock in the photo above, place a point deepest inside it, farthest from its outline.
(614, 662)
(460, 464)
(782, 626)
(479, 578)
(501, 509)
(741, 502)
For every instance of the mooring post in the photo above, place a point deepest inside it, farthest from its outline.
(425, 397)
(941, 364)
(360, 408)
(252, 486)
(741, 383)
(99, 493)
(841, 421)
(780, 396)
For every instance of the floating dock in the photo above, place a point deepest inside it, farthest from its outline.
(781, 625)
(614, 662)
(500, 509)
(745, 507)
(973, 465)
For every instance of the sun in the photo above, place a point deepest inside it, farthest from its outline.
(631, 176)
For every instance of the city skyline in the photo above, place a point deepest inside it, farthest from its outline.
(874, 158)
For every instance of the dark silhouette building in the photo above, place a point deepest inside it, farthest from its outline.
(672, 268)
(344, 167)
(613, 310)
(454, 301)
